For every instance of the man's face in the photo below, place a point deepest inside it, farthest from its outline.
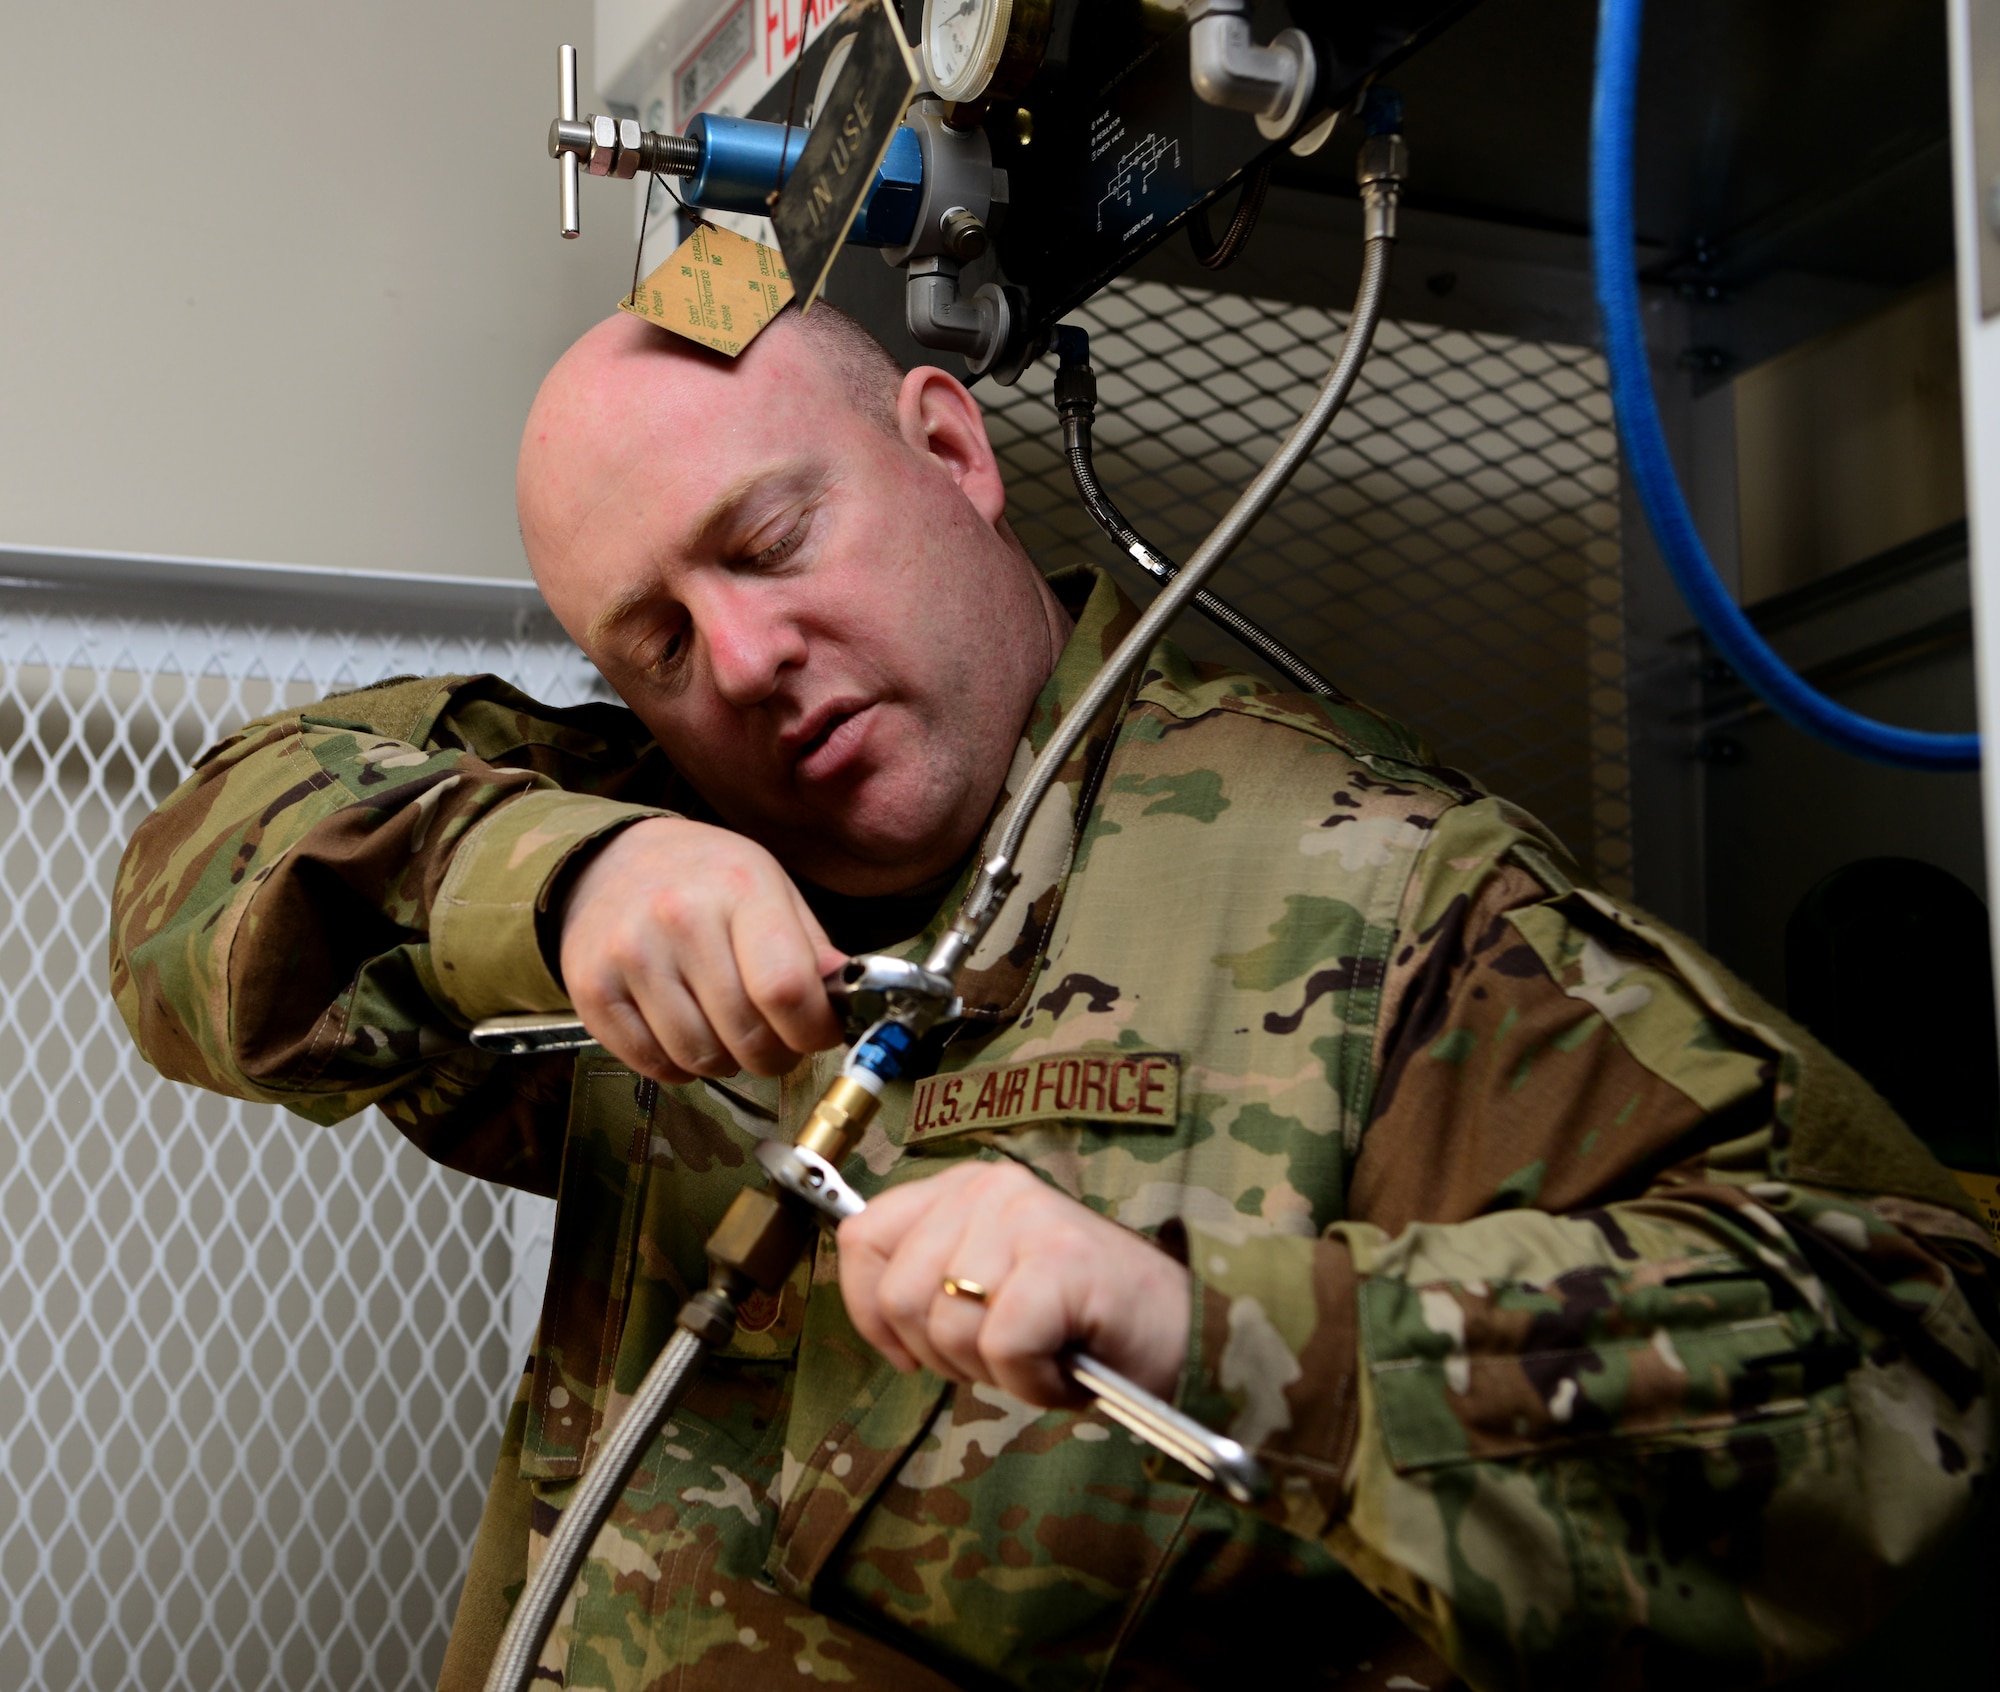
(825, 625)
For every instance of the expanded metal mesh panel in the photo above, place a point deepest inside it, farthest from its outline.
(252, 1371)
(1449, 554)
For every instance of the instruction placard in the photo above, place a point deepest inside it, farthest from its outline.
(718, 288)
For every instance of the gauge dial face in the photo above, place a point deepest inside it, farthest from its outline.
(963, 40)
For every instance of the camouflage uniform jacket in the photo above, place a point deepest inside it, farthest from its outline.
(1599, 1326)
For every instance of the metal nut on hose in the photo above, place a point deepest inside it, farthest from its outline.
(1384, 158)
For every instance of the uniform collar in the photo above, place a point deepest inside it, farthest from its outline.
(997, 979)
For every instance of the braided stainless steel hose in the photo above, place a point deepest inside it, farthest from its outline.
(997, 875)
(528, 1627)
(1076, 411)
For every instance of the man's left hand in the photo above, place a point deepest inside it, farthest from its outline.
(1056, 1276)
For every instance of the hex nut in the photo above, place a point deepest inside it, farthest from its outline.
(629, 136)
(603, 145)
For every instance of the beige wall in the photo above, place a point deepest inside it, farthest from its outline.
(278, 280)
(1850, 444)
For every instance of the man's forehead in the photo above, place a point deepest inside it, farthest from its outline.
(627, 398)
(629, 372)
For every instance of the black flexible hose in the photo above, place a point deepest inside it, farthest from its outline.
(1076, 404)
(1212, 254)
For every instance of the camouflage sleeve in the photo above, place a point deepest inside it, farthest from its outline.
(316, 915)
(1653, 1344)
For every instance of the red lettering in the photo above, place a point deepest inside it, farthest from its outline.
(985, 1104)
(920, 1106)
(1093, 1084)
(1067, 1079)
(1122, 1107)
(952, 1088)
(782, 43)
(1042, 1082)
(1017, 1085)
(1149, 1089)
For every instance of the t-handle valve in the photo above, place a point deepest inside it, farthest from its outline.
(570, 164)
(606, 146)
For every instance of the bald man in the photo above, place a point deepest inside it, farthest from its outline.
(1598, 1326)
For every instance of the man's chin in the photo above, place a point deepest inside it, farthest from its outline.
(870, 861)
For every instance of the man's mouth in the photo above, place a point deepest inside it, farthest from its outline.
(831, 743)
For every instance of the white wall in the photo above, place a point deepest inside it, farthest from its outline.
(278, 280)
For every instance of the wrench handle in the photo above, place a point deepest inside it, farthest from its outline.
(1215, 1457)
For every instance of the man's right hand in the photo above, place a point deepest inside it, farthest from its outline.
(688, 951)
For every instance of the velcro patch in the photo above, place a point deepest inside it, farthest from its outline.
(1142, 1089)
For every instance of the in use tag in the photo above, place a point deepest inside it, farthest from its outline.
(719, 288)
(845, 145)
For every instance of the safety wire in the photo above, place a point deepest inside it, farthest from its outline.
(645, 223)
(1651, 466)
(879, 1055)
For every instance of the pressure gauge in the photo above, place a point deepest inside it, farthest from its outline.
(979, 48)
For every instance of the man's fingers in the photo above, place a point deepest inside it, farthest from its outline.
(869, 1241)
(693, 996)
(705, 936)
(827, 957)
(861, 1266)
(945, 1242)
(776, 949)
(681, 1025)
(621, 1028)
(1026, 1327)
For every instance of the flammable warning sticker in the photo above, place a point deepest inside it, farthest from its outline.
(1140, 1089)
(719, 288)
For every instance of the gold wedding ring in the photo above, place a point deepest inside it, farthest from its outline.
(956, 1286)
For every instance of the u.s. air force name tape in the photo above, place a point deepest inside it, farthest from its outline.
(1135, 1088)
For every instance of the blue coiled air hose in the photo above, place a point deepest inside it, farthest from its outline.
(1646, 458)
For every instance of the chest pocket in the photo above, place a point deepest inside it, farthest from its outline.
(647, 1172)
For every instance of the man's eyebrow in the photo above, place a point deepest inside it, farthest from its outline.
(627, 607)
(722, 510)
(714, 520)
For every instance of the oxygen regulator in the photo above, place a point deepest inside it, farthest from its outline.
(1066, 137)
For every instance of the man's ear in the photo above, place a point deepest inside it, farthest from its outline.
(940, 420)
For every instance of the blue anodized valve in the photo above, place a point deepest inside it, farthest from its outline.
(740, 167)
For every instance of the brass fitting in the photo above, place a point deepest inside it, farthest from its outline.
(765, 1231)
(835, 1126)
(761, 1236)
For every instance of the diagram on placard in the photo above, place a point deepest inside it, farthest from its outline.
(1133, 174)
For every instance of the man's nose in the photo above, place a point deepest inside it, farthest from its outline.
(751, 643)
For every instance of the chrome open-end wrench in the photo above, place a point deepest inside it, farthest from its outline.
(859, 993)
(1214, 1457)
(861, 990)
